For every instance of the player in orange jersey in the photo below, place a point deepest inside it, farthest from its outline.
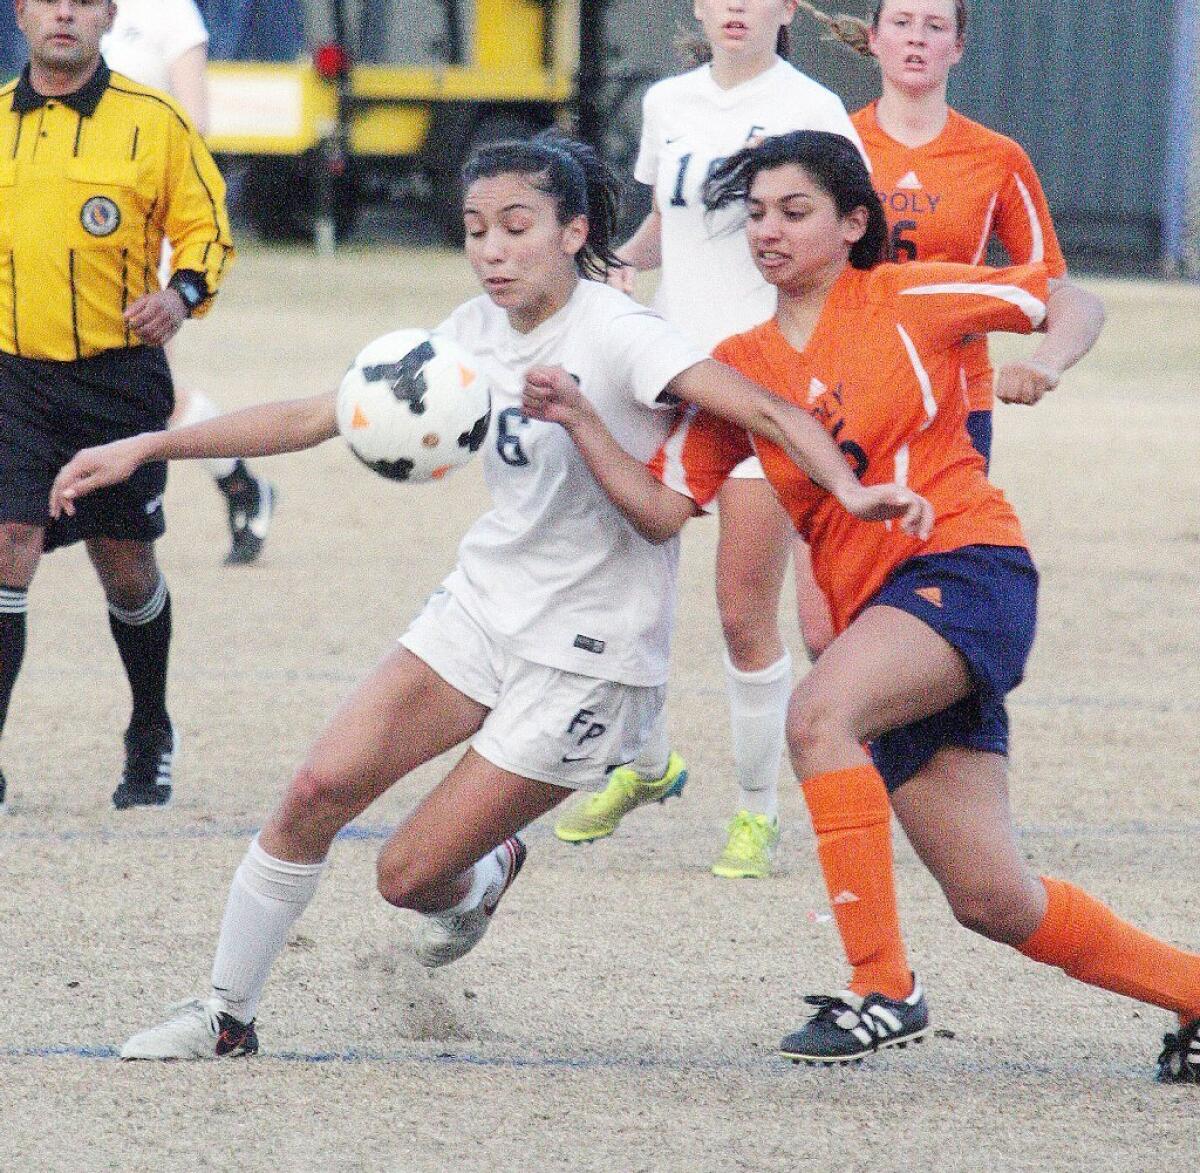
(949, 187)
(932, 634)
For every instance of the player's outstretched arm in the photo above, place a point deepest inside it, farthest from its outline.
(655, 511)
(1074, 319)
(723, 391)
(265, 430)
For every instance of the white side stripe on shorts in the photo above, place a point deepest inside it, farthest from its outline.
(1029, 305)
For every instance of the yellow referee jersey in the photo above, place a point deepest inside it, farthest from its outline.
(90, 184)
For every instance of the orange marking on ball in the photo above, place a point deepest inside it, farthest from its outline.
(359, 420)
(467, 376)
(438, 473)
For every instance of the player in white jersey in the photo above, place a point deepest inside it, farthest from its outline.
(521, 650)
(164, 44)
(710, 288)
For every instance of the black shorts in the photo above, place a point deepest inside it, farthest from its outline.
(50, 410)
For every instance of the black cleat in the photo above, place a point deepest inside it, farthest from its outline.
(1180, 1058)
(847, 1028)
(149, 761)
(251, 504)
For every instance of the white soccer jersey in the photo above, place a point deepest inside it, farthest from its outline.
(709, 286)
(554, 569)
(149, 36)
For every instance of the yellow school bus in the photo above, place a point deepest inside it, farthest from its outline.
(308, 142)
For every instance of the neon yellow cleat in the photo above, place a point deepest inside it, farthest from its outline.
(598, 815)
(750, 852)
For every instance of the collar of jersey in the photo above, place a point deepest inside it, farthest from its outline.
(526, 344)
(83, 101)
(731, 97)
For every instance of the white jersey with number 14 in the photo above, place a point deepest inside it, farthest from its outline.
(709, 287)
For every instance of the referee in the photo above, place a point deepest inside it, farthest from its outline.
(95, 171)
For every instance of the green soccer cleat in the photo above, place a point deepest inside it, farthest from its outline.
(598, 815)
(750, 850)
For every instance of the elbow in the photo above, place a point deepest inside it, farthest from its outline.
(660, 525)
(657, 534)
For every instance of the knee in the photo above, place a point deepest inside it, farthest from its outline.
(400, 876)
(129, 578)
(1000, 909)
(748, 608)
(315, 803)
(816, 722)
(20, 549)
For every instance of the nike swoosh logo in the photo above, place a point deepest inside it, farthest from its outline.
(587, 757)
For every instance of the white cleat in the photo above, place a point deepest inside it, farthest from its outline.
(197, 1030)
(445, 937)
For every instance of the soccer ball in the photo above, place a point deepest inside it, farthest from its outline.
(413, 407)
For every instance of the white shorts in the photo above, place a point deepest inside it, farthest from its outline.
(546, 724)
(749, 470)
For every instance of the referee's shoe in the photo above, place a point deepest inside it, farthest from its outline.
(251, 502)
(149, 761)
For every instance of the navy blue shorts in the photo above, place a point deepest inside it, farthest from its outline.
(982, 600)
(979, 428)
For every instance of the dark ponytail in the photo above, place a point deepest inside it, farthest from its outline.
(574, 175)
(830, 160)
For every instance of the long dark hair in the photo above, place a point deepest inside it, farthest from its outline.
(833, 163)
(574, 175)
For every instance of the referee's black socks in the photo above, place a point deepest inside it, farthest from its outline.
(143, 637)
(13, 607)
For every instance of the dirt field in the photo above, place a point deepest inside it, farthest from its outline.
(624, 1011)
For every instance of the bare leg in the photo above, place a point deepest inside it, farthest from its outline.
(885, 670)
(816, 624)
(20, 553)
(400, 717)
(956, 815)
(426, 864)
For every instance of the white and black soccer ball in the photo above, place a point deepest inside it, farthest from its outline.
(414, 407)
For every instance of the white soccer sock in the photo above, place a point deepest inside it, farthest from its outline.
(200, 408)
(758, 704)
(486, 872)
(655, 754)
(266, 898)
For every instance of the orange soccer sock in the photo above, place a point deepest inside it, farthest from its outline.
(1090, 943)
(851, 816)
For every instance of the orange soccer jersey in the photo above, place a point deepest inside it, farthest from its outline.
(881, 373)
(947, 199)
